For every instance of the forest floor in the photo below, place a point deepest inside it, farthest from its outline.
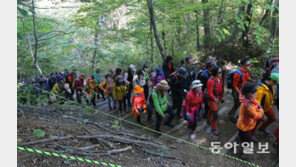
(94, 134)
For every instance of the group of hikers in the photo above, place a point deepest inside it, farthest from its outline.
(193, 94)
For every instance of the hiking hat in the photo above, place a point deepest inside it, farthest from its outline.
(196, 83)
(210, 63)
(138, 89)
(163, 85)
(132, 67)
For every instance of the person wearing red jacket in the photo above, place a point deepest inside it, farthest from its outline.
(237, 84)
(79, 87)
(192, 105)
(215, 94)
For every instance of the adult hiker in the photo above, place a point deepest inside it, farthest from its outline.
(146, 78)
(204, 76)
(41, 84)
(79, 87)
(237, 79)
(191, 72)
(250, 114)
(215, 94)
(139, 104)
(59, 88)
(97, 79)
(51, 81)
(120, 88)
(157, 76)
(107, 87)
(128, 78)
(139, 79)
(177, 84)
(68, 84)
(265, 96)
(168, 67)
(91, 91)
(72, 78)
(192, 105)
(161, 104)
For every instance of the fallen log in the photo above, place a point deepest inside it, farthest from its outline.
(53, 138)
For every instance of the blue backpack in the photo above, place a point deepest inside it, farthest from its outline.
(230, 75)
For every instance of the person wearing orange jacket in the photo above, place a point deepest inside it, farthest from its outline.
(107, 87)
(139, 104)
(265, 96)
(91, 90)
(215, 94)
(238, 82)
(250, 114)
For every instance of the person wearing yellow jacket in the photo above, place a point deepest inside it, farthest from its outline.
(265, 96)
(107, 87)
(120, 87)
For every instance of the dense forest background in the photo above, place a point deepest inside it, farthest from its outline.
(56, 34)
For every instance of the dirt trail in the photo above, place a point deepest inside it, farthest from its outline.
(52, 121)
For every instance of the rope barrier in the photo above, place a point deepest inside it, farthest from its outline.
(66, 156)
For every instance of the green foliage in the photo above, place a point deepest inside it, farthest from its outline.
(115, 125)
(123, 34)
(39, 133)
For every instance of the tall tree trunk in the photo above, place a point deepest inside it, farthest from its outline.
(36, 39)
(163, 39)
(207, 30)
(236, 29)
(93, 62)
(266, 13)
(245, 37)
(152, 20)
(151, 45)
(197, 31)
(274, 21)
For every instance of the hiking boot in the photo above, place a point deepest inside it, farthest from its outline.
(215, 132)
(192, 136)
(169, 124)
(254, 138)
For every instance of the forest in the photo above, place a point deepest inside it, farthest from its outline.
(89, 72)
(107, 33)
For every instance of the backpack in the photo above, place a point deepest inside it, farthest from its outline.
(198, 76)
(202, 75)
(270, 65)
(229, 79)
